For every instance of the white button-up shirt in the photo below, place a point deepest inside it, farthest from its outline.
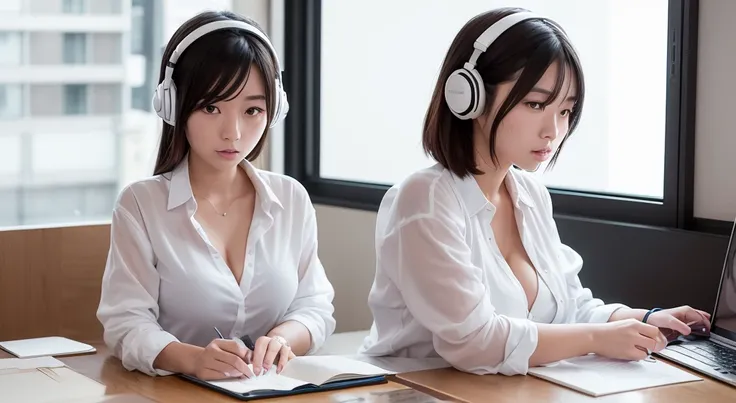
(165, 282)
(442, 287)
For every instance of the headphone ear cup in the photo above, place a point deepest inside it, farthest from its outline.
(171, 104)
(157, 101)
(480, 89)
(164, 101)
(282, 105)
(465, 94)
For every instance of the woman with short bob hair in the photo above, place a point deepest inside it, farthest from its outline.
(211, 254)
(469, 263)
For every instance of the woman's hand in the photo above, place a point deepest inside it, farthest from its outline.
(222, 359)
(627, 339)
(679, 320)
(270, 350)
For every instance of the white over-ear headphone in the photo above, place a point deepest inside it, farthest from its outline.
(164, 98)
(465, 92)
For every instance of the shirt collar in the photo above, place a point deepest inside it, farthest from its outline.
(180, 188)
(519, 192)
(475, 201)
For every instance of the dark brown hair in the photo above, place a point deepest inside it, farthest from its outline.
(524, 52)
(212, 69)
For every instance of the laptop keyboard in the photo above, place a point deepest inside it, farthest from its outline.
(722, 359)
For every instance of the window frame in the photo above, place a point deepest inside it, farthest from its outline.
(302, 129)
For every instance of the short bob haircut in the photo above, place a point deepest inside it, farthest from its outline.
(212, 69)
(524, 52)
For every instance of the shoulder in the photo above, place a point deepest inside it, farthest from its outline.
(149, 191)
(427, 193)
(288, 190)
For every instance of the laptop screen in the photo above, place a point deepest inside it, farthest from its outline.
(724, 323)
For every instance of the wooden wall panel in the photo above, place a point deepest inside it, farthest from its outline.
(50, 281)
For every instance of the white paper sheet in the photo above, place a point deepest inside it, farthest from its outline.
(598, 376)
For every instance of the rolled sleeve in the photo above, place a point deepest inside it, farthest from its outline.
(312, 305)
(446, 294)
(128, 308)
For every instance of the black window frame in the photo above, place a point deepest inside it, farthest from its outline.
(302, 131)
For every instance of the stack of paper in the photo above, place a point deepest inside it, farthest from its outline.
(44, 380)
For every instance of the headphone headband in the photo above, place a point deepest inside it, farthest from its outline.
(215, 26)
(164, 98)
(464, 89)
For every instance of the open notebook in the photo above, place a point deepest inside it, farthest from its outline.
(302, 375)
(598, 376)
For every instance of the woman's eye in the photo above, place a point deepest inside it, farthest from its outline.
(535, 105)
(566, 112)
(253, 111)
(210, 109)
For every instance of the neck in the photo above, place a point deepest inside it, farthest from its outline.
(492, 180)
(216, 185)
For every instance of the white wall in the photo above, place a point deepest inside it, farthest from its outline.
(715, 135)
(350, 261)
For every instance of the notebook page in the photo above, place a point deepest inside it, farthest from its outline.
(597, 376)
(267, 381)
(318, 369)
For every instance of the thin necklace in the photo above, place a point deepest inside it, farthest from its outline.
(215, 208)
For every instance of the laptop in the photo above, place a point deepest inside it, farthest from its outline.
(713, 354)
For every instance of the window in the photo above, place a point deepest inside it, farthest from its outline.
(75, 99)
(73, 6)
(11, 101)
(71, 203)
(67, 148)
(629, 160)
(75, 48)
(10, 48)
(137, 28)
(11, 6)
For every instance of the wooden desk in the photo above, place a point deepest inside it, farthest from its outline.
(452, 384)
(109, 371)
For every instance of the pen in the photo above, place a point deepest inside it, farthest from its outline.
(248, 343)
(245, 339)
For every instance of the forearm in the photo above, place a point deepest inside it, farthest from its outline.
(562, 341)
(296, 334)
(627, 313)
(178, 357)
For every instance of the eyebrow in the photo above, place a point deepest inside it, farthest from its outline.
(548, 93)
(259, 97)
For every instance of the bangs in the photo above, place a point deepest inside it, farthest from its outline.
(551, 50)
(216, 68)
(229, 70)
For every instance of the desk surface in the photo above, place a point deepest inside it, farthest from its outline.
(126, 386)
(453, 384)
